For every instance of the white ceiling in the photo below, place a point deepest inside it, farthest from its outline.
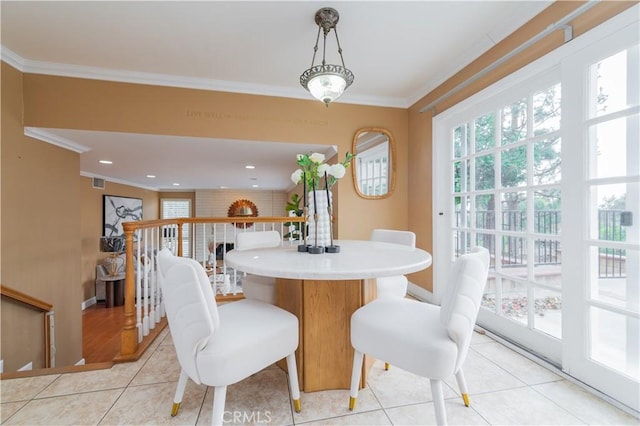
(398, 51)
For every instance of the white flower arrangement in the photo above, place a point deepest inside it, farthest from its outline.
(313, 168)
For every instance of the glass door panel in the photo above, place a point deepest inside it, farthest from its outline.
(607, 242)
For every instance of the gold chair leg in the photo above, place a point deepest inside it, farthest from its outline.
(386, 366)
(465, 398)
(352, 403)
(297, 406)
(175, 408)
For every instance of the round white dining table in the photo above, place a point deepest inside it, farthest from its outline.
(323, 291)
(357, 259)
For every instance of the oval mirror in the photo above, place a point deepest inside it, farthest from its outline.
(374, 163)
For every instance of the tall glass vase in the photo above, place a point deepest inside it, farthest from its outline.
(324, 220)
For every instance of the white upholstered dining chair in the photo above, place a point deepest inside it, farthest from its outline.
(424, 339)
(222, 346)
(258, 287)
(395, 286)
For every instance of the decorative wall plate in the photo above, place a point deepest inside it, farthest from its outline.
(242, 208)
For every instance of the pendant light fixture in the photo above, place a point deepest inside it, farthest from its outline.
(326, 82)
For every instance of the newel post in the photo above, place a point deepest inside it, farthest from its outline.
(129, 336)
(180, 239)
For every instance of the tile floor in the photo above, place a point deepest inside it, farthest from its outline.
(505, 388)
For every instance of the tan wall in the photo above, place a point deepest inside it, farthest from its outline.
(420, 160)
(91, 206)
(70, 103)
(24, 340)
(40, 229)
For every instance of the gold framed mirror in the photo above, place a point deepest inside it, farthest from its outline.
(374, 163)
(243, 208)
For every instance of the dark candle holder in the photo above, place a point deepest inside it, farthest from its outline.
(331, 248)
(315, 249)
(304, 247)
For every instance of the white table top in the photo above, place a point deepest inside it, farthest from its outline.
(356, 260)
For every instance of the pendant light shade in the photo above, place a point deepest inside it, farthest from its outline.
(326, 82)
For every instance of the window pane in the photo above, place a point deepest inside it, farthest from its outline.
(609, 206)
(489, 242)
(609, 145)
(547, 162)
(610, 334)
(515, 303)
(458, 177)
(172, 209)
(461, 141)
(485, 173)
(546, 110)
(462, 210)
(485, 212)
(489, 296)
(514, 211)
(514, 256)
(485, 132)
(546, 219)
(548, 312)
(514, 122)
(609, 281)
(548, 262)
(461, 243)
(609, 78)
(514, 167)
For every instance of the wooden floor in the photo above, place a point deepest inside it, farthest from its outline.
(101, 328)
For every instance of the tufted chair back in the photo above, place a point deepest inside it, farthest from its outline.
(461, 302)
(190, 306)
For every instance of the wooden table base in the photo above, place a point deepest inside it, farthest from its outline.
(324, 310)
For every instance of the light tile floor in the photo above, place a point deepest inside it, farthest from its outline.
(506, 389)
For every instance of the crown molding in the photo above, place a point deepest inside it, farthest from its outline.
(56, 140)
(135, 77)
(119, 181)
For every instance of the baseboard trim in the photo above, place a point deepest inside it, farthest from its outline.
(88, 303)
(420, 293)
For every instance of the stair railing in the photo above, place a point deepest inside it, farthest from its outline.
(143, 309)
(48, 323)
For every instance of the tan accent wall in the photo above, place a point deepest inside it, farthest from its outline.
(420, 124)
(91, 205)
(99, 105)
(40, 240)
(54, 251)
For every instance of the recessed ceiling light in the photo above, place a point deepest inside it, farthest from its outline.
(176, 184)
(151, 176)
(249, 166)
(106, 162)
(254, 185)
(223, 187)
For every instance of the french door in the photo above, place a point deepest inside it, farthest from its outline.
(602, 325)
(543, 169)
(505, 171)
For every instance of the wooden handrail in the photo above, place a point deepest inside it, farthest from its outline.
(42, 306)
(25, 298)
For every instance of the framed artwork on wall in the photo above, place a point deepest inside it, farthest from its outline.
(117, 210)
